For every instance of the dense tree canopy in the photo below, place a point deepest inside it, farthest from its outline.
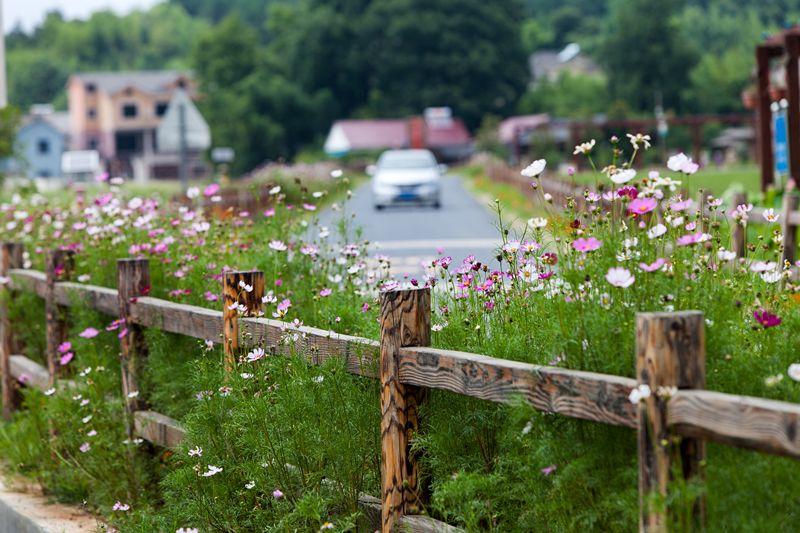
(275, 73)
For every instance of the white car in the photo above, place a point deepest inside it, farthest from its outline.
(406, 176)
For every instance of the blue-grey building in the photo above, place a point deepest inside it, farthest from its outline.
(40, 141)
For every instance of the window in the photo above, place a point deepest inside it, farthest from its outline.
(91, 87)
(92, 144)
(43, 146)
(91, 113)
(129, 111)
(161, 108)
(44, 173)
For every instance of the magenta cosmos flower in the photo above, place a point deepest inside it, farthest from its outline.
(586, 245)
(766, 319)
(640, 206)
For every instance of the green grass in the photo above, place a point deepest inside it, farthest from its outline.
(714, 179)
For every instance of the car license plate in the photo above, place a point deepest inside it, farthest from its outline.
(407, 193)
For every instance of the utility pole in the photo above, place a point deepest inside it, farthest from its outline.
(3, 93)
(183, 173)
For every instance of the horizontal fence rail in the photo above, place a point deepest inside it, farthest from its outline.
(406, 367)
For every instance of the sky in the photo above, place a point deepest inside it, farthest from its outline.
(31, 12)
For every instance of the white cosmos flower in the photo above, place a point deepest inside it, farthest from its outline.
(763, 266)
(620, 277)
(212, 470)
(584, 148)
(192, 192)
(639, 393)
(726, 255)
(623, 176)
(794, 371)
(534, 169)
(537, 222)
(277, 245)
(772, 276)
(770, 215)
(275, 190)
(336, 173)
(656, 231)
(197, 451)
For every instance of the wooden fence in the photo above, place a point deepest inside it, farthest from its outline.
(673, 422)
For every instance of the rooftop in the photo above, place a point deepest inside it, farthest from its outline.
(151, 81)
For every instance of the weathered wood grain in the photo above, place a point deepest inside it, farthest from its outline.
(183, 319)
(10, 257)
(765, 425)
(158, 429)
(32, 373)
(370, 506)
(133, 281)
(242, 293)
(670, 354)
(405, 321)
(59, 266)
(316, 345)
(573, 393)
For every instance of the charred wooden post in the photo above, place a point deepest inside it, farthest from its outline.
(738, 230)
(242, 293)
(405, 321)
(764, 138)
(670, 355)
(10, 257)
(59, 266)
(133, 281)
(790, 204)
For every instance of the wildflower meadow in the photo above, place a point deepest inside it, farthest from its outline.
(283, 445)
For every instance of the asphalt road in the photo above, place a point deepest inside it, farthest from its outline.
(410, 235)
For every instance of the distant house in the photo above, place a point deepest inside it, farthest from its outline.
(437, 130)
(117, 114)
(40, 141)
(548, 65)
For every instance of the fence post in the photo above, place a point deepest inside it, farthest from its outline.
(670, 353)
(738, 232)
(59, 265)
(10, 257)
(235, 293)
(133, 281)
(405, 321)
(789, 230)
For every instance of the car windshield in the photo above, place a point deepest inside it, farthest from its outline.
(399, 160)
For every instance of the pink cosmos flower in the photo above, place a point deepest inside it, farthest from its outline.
(119, 506)
(640, 206)
(309, 207)
(210, 296)
(283, 308)
(64, 347)
(269, 212)
(277, 494)
(629, 191)
(325, 292)
(692, 238)
(586, 244)
(101, 178)
(66, 358)
(766, 319)
(88, 333)
(211, 190)
(655, 265)
(681, 206)
(549, 470)
(365, 307)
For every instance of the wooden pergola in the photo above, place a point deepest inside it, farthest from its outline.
(784, 45)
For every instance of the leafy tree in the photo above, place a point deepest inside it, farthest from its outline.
(718, 81)
(464, 53)
(644, 53)
(571, 96)
(9, 121)
(249, 105)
